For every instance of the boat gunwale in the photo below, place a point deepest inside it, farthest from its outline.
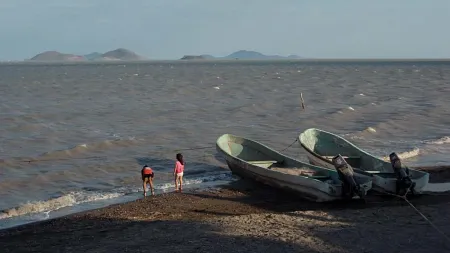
(340, 138)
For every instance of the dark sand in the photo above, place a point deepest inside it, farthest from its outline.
(245, 217)
(241, 217)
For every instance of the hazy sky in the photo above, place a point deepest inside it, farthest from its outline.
(169, 29)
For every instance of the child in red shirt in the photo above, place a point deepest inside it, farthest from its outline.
(147, 177)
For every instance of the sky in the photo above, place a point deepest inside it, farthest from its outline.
(169, 29)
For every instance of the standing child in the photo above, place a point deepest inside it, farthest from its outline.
(178, 172)
(147, 177)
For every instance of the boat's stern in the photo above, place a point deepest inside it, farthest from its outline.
(421, 182)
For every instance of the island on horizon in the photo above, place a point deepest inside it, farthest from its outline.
(120, 54)
(241, 55)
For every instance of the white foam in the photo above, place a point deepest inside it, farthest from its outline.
(441, 141)
(47, 206)
(405, 155)
(79, 197)
(351, 108)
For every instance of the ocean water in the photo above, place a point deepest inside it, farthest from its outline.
(75, 136)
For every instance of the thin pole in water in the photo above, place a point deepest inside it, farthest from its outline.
(303, 102)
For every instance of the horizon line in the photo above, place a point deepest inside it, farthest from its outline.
(28, 61)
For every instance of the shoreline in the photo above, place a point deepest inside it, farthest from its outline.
(439, 183)
(241, 217)
(122, 198)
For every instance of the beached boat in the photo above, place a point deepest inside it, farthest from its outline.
(322, 146)
(253, 160)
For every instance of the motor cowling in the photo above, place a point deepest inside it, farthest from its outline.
(350, 187)
(404, 181)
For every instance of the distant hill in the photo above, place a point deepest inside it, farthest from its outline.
(120, 54)
(242, 54)
(57, 56)
(253, 55)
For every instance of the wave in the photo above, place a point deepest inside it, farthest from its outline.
(421, 147)
(67, 200)
(86, 196)
(405, 155)
(440, 141)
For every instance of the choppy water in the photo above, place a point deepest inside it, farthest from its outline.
(88, 129)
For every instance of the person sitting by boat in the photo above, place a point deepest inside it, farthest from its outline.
(178, 172)
(404, 181)
(147, 178)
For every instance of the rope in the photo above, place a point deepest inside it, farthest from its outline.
(63, 159)
(101, 157)
(186, 149)
(290, 145)
(420, 213)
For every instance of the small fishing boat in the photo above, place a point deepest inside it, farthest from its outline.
(322, 146)
(253, 160)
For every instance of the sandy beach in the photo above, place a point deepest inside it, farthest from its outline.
(241, 217)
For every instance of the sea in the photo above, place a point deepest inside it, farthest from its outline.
(74, 137)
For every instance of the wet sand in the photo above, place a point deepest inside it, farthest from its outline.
(241, 217)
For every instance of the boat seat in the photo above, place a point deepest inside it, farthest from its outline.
(374, 171)
(345, 157)
(264, 164)
(354, 161)
(377, 172)
(258, 162)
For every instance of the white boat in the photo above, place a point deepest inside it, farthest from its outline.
(321, 146)
(253, 160)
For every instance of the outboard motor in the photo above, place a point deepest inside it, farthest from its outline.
(346, 175)
(404, 181)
